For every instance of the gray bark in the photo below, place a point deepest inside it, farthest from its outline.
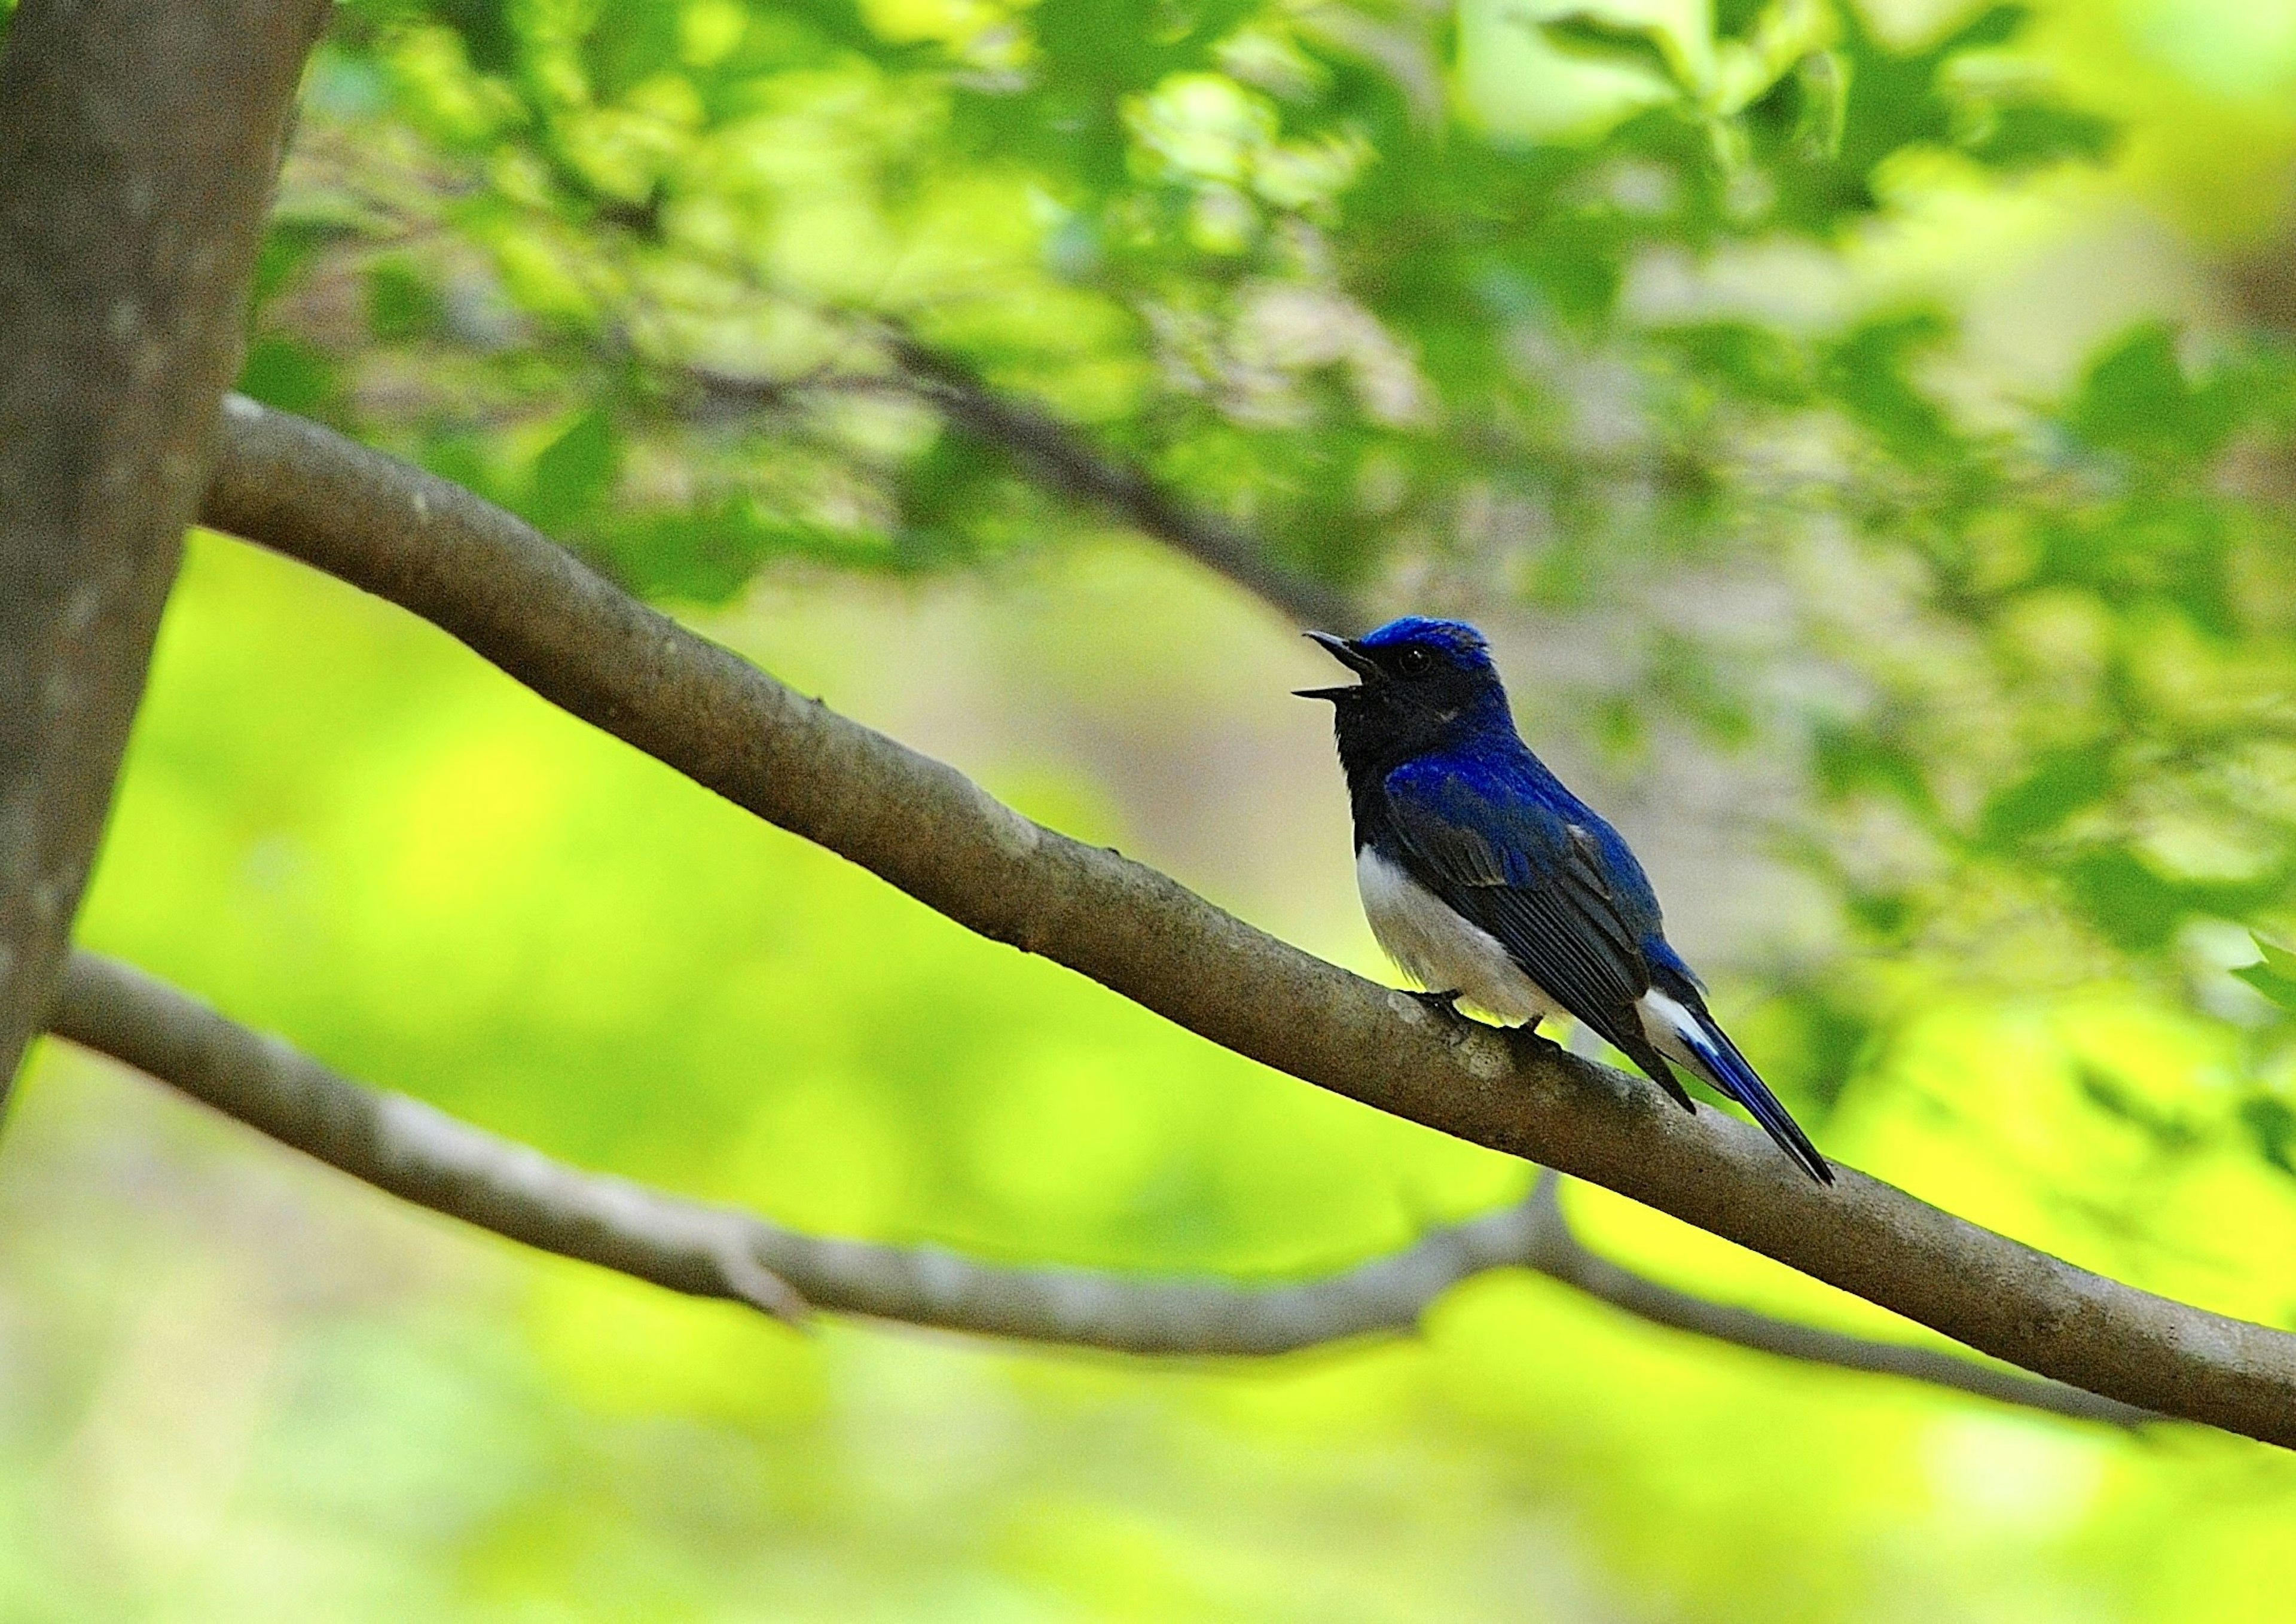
(423, 1155)
(139, 142)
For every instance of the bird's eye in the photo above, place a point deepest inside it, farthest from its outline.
(1413, 660)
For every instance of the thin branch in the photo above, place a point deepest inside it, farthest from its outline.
(137, 145)
(423, 1155)
(1569, 1260)
(1058, 457)
(511, 595)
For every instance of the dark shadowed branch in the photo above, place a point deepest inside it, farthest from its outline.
(423, 1155)
(1059, 457)
(137, 145)
(530, 607)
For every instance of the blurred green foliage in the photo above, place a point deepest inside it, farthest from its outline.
(1280, 258)
(1688, 351)
(238, 1386)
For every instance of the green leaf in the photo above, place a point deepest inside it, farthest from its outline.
(2060, 784)
(1739, 19)
(1868, 370)
(2279, 989)
(401, 304)
(1986, 31)
(489, 40)
(1619, 45)
(2135, 398)
(2130, 388)
(1823, 79)
(287, 374)
(574, 472)
(2135, 907)
(1887, 915)
(1755, 361)
(2117, 1098)
(2028, 136)
(2274, 976)
(287, 247)
(706, 555)
(2272, 1123)
(1851, 761)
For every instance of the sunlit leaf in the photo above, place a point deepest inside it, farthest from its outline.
(2274, 975)
(1823, 79)
(1618, 44)
(2280, 989)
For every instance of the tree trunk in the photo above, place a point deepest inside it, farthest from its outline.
(139, 142)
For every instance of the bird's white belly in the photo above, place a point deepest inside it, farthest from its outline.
(1441, 951)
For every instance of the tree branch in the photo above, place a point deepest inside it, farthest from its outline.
(1567, 1259)
(507, 591)
(1058, 457)
(423, 1155)
(138, 141)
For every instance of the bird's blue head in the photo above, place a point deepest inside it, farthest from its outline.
(1426, 685)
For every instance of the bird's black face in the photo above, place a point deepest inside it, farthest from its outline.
(1426, 683)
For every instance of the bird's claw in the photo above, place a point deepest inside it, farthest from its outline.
(1442, 1002)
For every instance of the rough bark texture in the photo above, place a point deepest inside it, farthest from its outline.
(536, 611)
(138, 141)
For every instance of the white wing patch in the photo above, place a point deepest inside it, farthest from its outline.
(1675, 1032)
(1441, 951)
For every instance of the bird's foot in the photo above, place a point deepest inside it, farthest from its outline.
(1442, 1002)
(1528, 1040)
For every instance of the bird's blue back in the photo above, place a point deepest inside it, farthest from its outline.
(1493, 783)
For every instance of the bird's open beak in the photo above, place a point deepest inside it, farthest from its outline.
(1347, 654)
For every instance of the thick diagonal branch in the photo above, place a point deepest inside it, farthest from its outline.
(531, 608)
(424, 1156)
(138, 141)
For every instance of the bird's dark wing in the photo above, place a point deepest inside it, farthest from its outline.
(1539, 882)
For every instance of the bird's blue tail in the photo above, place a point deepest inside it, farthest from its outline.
(1730, 1071)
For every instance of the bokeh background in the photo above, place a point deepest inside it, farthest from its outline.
(1865, 430)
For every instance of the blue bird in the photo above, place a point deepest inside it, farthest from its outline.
(1492, 885)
